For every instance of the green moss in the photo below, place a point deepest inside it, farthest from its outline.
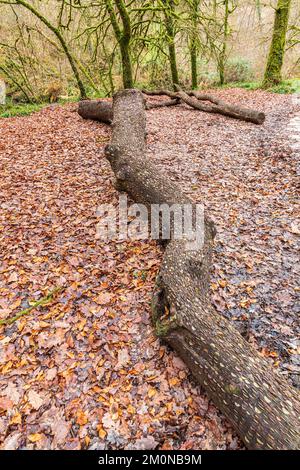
(233, 389)
(162, 319)
(20, 109)
(162, 328)
(272, 75)
(246, 85)
(284, 87)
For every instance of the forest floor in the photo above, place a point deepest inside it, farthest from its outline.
(86, 371)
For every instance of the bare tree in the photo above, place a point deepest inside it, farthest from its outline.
(58, 35)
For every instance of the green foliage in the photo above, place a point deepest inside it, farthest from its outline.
(12, 109)
(245, 85)
(20, 109)
(285, 87)
(238, 70)
(39, 303)
(147, 44)
(210, 78)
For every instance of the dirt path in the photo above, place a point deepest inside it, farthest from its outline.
(86, 371)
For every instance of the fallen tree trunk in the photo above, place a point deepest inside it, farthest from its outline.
(260, 404)
(102, 111)
(217, 106)
(98, 110)
(161, 104)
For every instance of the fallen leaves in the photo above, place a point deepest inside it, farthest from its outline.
(12, 441)
(295, 228)
(101, 433)
(86, 371)
(16, 419)
(103, 298)
(248, 179)
(145, 443)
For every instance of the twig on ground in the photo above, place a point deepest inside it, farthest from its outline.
(42, 302)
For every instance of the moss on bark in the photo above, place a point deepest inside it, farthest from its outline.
(275, 59)
(170, 30)
(123, 36)
(193, 43)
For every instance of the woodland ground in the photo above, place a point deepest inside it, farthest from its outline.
(86, 371)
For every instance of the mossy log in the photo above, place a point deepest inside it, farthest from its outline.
(260, 404)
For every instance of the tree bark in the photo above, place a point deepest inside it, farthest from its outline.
(97, 110)
(123, 36)
(272, 74)
(170, 30)
(162, 104)
(216, 105)
(222, 57)
(259, 403)
(194, 37)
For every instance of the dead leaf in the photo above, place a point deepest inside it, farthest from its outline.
(35, 437)
(35, 399)
(5, 404)
(81, 418)
(11, 391)
(123, 358)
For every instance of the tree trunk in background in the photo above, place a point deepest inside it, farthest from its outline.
(2, 92)
(262, 407)
(275, 59)
(123, 37)
(170, 30)
(194, 42)
(126, 63)
(222, 58)
(193, 53)
(125, 45)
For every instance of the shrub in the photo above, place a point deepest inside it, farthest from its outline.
(208, 78)
(53, 91)
(238, 70)
(286, 87)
